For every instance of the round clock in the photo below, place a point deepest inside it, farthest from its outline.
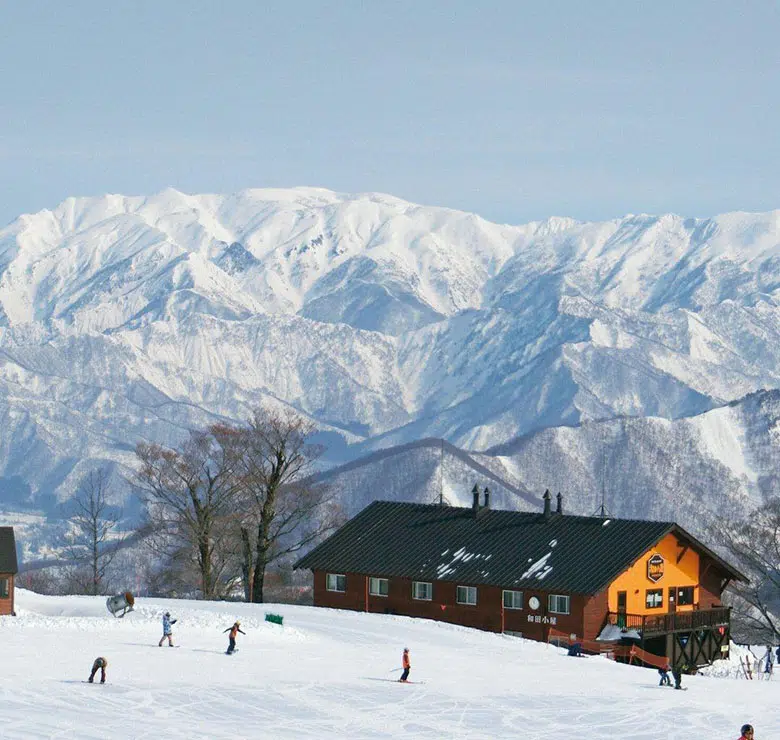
(533, 602)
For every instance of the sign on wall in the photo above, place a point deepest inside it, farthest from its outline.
(655, 568)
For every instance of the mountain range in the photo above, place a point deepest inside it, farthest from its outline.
(631, 364)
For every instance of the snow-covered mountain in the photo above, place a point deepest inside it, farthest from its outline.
(127, 318)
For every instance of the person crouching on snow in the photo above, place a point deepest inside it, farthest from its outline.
(102, 664)
(665, 680)
(234, 630)
(167, 629)
(407, 665)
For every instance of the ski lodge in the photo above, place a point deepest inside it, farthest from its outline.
(8, 570)
(605, 583)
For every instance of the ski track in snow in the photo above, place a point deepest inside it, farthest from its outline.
(331, 674)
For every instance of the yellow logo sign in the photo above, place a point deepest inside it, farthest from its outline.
(655, 568)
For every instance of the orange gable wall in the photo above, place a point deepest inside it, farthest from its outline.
(635, 582)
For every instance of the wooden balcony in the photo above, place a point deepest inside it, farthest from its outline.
(648, 625)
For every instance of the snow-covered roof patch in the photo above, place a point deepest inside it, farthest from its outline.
(540, 568)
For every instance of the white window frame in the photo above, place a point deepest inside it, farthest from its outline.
(515, 595)
(332, 582)
(657, 592)
(428, 588)
(556, 608)
(375, 586)
(469, 592)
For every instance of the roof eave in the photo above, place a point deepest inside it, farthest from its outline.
(730, 569)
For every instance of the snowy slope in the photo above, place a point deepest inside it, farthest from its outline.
(385, 322)
(327, 673)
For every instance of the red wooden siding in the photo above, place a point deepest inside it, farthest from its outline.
(7, 605)
(486, 615)
(710, 580)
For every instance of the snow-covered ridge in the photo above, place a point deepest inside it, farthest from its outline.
(385, 322)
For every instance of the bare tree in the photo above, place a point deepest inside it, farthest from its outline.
(284, 510)
(191, 494)
(92, 540)
(753, 545)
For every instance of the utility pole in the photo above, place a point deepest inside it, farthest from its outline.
(441, 474)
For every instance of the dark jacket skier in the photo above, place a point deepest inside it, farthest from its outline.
(234, 630)
(102, 664)
(677, 672)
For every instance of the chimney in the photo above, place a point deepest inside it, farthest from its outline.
(547, 497)
(559, 510)
(475, 504)
(487, 497)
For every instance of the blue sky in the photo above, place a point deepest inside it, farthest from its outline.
(514, 110)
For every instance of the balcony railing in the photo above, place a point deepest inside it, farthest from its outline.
(654, 624)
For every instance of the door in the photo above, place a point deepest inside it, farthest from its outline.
(621, 608)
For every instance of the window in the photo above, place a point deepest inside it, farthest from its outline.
(558, 604)
(654, 598)
(685, 596)
(378, 586)
(336, 582)
(513, 599)
(422, 591)
(466, 595)
(3, 588)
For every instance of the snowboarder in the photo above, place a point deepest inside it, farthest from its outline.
(747, 732)
(677, 673)
(234, 630)
(407, 666)
(575, 649)
(167, 629)
(665, 680)
(102, 664)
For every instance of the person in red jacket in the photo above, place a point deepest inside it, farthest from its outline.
(747, 732)
(407, 666)
(234, 630)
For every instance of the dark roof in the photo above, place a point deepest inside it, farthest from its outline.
(429, 542)
(8, 562)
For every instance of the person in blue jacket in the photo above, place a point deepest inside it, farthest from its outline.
(167, 629)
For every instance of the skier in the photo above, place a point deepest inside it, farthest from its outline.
(167, 629)
(665, 680)
(747, 732)
(234, 630)
(102, 664)
(407, 666)
(575, 649)
(768, 662)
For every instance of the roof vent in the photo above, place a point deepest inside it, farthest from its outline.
(547, 498)
(475, 503)
(487, 497)
(559, 509)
